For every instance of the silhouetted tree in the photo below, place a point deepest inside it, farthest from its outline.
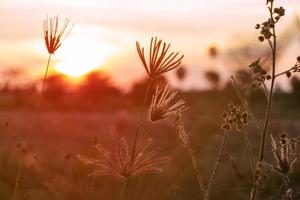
(213, 52)
(213, 78)
(181, 73)
(56, 88)
(139, 88)
(296, 87)
(97, 87)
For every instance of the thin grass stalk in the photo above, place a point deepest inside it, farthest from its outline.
(141, 117)
(250, 152)
(187, 144)
(265, 91)
(125, 193)
(217, 163)
(93, 182)
(246, 105)
(196, 168)
(27, 138)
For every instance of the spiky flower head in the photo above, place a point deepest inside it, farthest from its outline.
(234, 115)
(53, 34)
(285, 153)
(119, 161)
(160, 59)
(163, 105)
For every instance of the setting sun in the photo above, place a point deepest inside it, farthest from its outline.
(82, 55)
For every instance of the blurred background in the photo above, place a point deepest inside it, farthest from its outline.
(97, 81)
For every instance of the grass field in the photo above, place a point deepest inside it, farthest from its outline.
(52, 170)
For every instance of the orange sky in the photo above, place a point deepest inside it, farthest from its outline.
(105, 32)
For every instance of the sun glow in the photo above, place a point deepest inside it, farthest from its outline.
(81, 55)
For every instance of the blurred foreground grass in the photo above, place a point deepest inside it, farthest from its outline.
(53, 172)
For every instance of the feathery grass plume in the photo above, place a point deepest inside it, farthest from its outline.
(161, 105)
(53, 34)
(160, 60)
(285, 153)
(118, 162)
(184, 137)
(53, 40)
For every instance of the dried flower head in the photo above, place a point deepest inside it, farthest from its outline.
(160, 60)
(53, 34)
(266, 28)
(234, 115)
(285, 153)
(120, 163)
(161, 105)
(259, 74)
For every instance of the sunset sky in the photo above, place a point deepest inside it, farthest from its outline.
(105, 32)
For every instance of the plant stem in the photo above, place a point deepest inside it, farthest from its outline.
(187, 144)
(124, 194)
(265, 91)
(246, 105)
(196, 168)
(141, 118)
(220, 153)
(93, 182)
(250, 152)
(267, 116)
(31, 127)
(138, 131)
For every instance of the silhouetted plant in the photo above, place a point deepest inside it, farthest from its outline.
(260, 77)
(160, 60)
(181, 73)
(118, 162)
(185, 139)
(53, 36)
(213, 78)
(162, 105)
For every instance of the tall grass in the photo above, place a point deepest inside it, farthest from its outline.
(53, 40)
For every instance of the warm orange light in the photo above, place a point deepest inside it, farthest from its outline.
(81, 55)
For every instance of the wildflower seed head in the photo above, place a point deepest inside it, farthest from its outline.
(285, 153)
(234, 115)
(259, 74)
(53, 34)
(120, 163)
(163, 105)
(160, 59)
(266, 28)
(181, 73)
(279, 11)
